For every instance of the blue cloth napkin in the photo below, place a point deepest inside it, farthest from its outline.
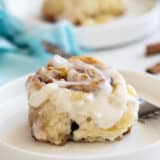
(21, 49)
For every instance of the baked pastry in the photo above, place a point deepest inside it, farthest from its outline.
(79, 99)
(82, 12)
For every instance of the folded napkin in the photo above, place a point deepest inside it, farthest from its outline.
(21, 49)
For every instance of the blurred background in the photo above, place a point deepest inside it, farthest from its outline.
(124, 33)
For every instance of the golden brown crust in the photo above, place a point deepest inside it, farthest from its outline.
(63, 141)
(124, 134)
(70, 138)
(89, 60)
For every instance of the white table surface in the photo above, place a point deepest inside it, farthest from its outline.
(132, 56)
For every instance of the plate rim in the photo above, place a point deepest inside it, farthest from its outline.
(9, 146)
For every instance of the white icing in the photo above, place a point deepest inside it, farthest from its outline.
(105, 106)
(60, 61)
(102, 106)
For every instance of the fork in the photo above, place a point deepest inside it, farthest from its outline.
(148, 112)
(150, 109)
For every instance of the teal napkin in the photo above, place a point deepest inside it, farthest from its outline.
(21, 49)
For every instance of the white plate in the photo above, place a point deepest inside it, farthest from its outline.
(140, 19)
(16, 142)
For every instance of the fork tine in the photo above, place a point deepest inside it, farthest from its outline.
(53, 49)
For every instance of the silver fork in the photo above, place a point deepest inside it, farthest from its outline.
(53, 49)
(148, 112)
(148, 89)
